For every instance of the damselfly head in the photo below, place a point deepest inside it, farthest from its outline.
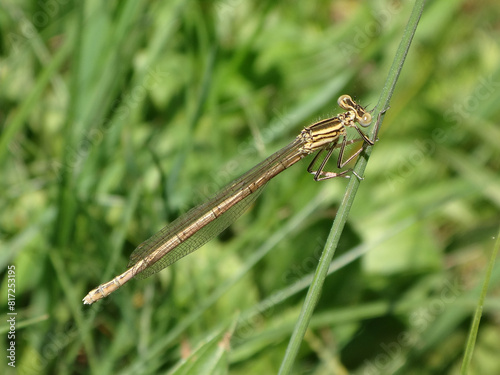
(362, 117)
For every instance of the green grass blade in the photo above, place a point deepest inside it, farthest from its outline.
(469, 349)
(314, 291)
(16, 121)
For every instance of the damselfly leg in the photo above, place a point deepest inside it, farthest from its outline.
(319, 173)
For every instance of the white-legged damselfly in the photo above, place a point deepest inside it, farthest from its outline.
(202, 223)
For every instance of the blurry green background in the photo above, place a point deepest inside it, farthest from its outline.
(119, 116)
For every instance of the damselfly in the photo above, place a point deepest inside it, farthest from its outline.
(199, 225)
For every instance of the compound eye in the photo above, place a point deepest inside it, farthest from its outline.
(343, 101)
(365, 120)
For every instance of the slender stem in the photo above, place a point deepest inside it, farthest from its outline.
(479, 310)
(314, 291)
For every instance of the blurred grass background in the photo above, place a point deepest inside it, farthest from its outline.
(117, 117)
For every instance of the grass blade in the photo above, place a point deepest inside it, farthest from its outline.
(314, 291)
(469, 349)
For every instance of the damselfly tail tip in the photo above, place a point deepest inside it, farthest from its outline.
(87, 300)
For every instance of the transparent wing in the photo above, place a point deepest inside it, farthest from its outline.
(194, 242)
(262, 173)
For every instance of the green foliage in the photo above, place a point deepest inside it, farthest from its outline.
(119, 116)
